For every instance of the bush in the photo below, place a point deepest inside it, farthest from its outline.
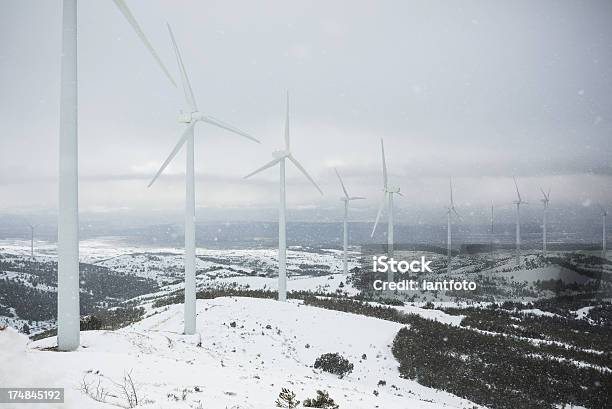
(321, 401)
(334, 363)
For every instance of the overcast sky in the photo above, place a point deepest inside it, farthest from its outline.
(480, 90)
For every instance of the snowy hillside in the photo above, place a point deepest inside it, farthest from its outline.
(250, 349)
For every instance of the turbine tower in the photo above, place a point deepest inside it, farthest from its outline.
(346, 199)
(388, 192)
(449, 214)
(32, 227)
(492, 232)
(545, 201)
(604, 215)
(518, 202)
(190, 120)
(279, 157)
(68, 314)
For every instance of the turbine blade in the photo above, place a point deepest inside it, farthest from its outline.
(451, 191)
(548, 194)
(384, 163)
(380, 209)
(356, 198)
(223, 125)
(123, 8)
(177, 148)
(184, 79)
(342, 184)
(544, 194)
(456, 213)
(264, 167)
(287, 138)
(517, 189)
(301, 168)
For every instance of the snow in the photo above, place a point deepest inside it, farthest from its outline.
(326, 284)
(583, 312)
(241, 366)
(538, 312)
(434, 315)
(549, 273)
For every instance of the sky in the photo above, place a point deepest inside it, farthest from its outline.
(476, 90)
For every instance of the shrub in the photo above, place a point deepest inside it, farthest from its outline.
(334, 363)
(321, 401)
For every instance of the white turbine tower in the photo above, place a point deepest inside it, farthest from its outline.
(518, 204)
(190, 120)
(388, 192)
(32, 227)
(346, 199)
(545, 202)
(604, 215)
(492, 232)
(279, 157)
(68, 314)
(449, 214)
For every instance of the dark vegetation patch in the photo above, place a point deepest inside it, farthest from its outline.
(577, 333)
(102, 320)
(32, 300)
(334, 363)
(501, 372)
(233, 290)
(495, 371)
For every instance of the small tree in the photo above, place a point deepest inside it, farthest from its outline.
(286, 399)
(321, 401)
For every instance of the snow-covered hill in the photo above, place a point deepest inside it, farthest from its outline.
(250, 349)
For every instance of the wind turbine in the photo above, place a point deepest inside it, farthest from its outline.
(190, 120)
(388, 192)
(449, 212)
(346, 199)
(279, 157)
(545, 201)
(518, 204)
(32, 227)
(68, 314)
(604, 215)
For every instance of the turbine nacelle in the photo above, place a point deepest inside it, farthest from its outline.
(281, 154)
(189, 117)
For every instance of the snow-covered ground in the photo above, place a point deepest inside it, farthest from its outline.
(165, 264)
(250, 349)
(549, 273)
